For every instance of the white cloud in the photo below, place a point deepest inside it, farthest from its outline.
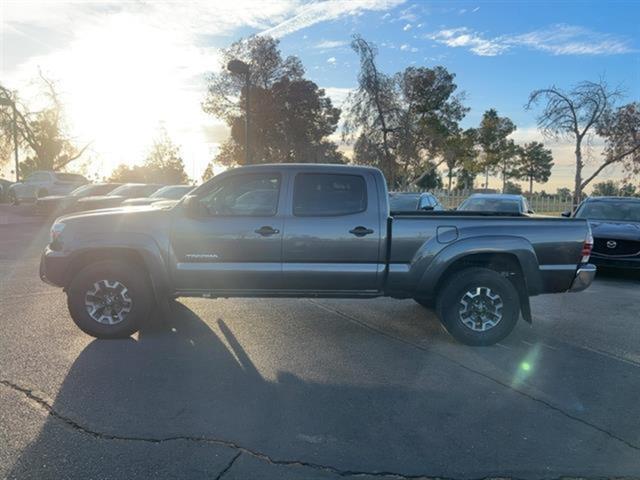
(331, 60)
(463, 37)
(312, 13)
(327, 44)
(404, 47)
(338, 95)
(407, 27)
(558, 40)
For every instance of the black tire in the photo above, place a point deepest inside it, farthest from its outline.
(464, 284)
(138, 292)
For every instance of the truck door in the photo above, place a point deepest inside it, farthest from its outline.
(332, 233)
(234, 243)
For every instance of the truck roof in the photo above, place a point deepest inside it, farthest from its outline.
(305, 166)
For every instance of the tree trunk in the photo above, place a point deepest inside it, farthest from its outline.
(450, 177)
(577, 186)
(530, 186)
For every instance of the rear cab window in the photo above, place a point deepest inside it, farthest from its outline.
(328, 194)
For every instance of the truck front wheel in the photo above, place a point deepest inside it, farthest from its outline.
(109, 299)
(478, 306)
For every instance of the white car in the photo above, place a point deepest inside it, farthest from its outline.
(43, 183)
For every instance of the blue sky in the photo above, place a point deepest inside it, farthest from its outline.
(149, 58)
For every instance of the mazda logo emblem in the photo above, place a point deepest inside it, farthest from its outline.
(612, 244)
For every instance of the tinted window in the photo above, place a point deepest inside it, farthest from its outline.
(490, 205)
(328, 194)
(88, 190)
(173, 192)
(244, 195)
(617, 211)
(134, 190)
(38, 177)
(399, 203)
(70, 177)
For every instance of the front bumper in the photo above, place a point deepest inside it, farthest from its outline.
(584, 276)
(53, 268)
(630, 262)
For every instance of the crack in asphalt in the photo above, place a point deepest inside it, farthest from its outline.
(547, 404)
(46, 405)
(229, 465)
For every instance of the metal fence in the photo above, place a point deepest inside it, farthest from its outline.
(539, 203)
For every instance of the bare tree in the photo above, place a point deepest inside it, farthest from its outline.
(42, 132)
(574, 114)
(372, 106)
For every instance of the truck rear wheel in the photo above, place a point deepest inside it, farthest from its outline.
(109, 299)
(478, 306)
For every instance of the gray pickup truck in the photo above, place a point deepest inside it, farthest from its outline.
(308, 230)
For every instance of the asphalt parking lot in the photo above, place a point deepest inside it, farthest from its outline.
(322, 389)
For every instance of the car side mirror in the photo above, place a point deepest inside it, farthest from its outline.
(427, 208)
(530, 212)
(566, 213)
(192, 206)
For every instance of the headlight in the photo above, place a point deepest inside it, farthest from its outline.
(56, 231)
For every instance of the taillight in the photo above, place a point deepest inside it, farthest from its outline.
(587, 246)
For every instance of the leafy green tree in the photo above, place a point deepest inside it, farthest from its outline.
(400, 122)
(608, 188)
(458, 151)
(629, 190)
(535, 164)
(162, 165)
(291, 117)
(513, 188)
(563, 192)
(466, 177)
(492, 137)
(430, 179)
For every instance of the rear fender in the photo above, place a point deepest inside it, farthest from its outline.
(432, 268)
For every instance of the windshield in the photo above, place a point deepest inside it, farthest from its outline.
(399, 203)
(490, 205)
(616, 211)
(172, 192)
(70, 177)
(134, 190)
(87, 190)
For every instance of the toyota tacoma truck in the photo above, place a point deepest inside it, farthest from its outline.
(307, 230)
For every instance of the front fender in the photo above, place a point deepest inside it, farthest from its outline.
(109, 244)
(431, 267)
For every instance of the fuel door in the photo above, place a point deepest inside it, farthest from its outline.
(447, 234)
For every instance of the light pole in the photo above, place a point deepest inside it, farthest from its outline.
(238, 67)
(5, 102)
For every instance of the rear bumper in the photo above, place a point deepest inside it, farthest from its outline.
(584, 277)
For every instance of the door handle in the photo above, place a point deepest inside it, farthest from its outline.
(266, 231)
(360, 231)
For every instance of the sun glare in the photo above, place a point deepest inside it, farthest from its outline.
(123, 80)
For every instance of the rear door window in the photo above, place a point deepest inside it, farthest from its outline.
(320, 194)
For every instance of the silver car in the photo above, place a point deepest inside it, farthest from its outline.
(43, 183)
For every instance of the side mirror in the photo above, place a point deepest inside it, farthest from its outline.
(566, 213)
(192, 206)
(530, 212)
(427, 208)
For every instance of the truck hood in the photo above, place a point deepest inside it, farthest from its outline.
(619, 230)
(109, 214)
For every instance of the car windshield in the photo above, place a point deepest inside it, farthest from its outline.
(137, 190)
(399, 203)
(70, 177)
(172, 192)
(497, 205)
(87, 190)
(616, 211)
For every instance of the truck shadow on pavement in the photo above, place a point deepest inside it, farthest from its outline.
(186, 387)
